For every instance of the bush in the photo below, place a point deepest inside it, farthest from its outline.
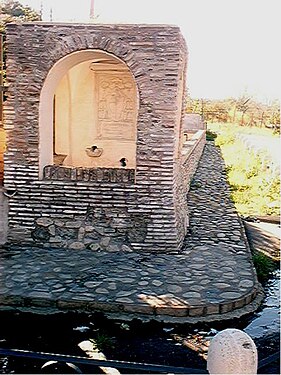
(255, 189)
(264, 266)
(210, 136)
(103, 342)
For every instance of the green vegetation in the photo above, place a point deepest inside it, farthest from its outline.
(233, 128)
(210, 136)
(103, 342)
(264, 266)
(255, 189)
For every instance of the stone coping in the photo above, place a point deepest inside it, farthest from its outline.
(99, 25)
(190, 145)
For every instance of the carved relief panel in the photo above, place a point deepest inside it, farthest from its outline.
(116, 106)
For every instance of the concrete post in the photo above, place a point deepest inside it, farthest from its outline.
(232, 351)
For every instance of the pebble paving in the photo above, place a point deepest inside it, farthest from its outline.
(211, 276)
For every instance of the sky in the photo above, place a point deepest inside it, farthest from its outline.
(233, 44)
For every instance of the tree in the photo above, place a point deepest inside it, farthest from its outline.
(14, 11)
(245, 111)
(243, 106)
(274, 117)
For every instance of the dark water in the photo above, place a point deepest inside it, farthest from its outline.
(266, 321)
(173, 345)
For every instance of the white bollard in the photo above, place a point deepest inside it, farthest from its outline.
(232, 351)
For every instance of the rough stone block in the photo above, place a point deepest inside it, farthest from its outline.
(196, 311)
(141, 309)
(176, 311)
(239, 303)
(226, 307)
(213, 309)
(77, 246)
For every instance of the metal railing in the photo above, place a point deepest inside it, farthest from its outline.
(145, 367)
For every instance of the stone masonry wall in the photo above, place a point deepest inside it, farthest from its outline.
(191, 159)
(180, 201)
(137, 213)
(186, 168)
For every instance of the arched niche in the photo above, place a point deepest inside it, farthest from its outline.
(88, 113)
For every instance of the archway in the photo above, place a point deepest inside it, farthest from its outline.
(88, 112)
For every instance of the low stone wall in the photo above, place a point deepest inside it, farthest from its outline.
(191, 154)
(186, 167)
(2, 149)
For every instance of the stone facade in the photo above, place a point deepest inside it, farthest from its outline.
(114, 209)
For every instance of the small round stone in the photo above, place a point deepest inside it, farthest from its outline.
(112, 286)
(157, 283)
(101, 291)
(143, 283)
(124, 293)
(91, 284)
(174, 288)
(230, 295)
(124, 300)
(222, 285)
(246, 283)
(191, 295)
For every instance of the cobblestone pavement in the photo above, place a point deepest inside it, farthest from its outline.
(211, 278)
